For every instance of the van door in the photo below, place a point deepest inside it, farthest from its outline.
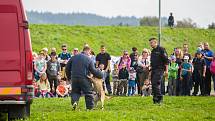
(10, 52)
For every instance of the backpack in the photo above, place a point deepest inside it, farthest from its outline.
(212, 67)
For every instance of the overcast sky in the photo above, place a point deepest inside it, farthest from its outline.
(201, 11)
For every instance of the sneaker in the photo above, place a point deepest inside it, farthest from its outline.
(74, 106)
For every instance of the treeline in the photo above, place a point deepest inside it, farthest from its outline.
(79, 19)
(96, 20)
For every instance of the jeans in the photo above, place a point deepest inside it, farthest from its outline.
(184, 86)
(107, 83)
(131, 87)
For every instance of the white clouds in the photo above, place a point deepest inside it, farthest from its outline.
(201, 11)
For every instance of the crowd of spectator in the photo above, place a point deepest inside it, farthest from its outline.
(188, 74)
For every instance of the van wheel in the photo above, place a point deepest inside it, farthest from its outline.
(19, 112)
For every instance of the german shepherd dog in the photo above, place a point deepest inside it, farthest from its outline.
(98, 88)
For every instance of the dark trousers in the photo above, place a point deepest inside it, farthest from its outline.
(156, 77)
(199, 81)
(138, 85)
(53, 80)
(178, 86)
(163, 86)
(107, 83)
(208, 81)
(184, 86)
(213, 76)
(171, 24)
(191, 83)
(178, 82)
(85, 86)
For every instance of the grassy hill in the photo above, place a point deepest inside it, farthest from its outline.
(116, 38)
(126, 109)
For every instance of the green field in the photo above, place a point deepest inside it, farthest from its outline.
(126, 109)
(116, 38)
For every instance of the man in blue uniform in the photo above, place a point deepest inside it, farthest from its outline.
(159, 64)
(208, 56)
(77, 70)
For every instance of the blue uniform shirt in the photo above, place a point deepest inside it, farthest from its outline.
(208, 53)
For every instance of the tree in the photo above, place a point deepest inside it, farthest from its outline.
(211, 26)
(149, 21)
(186, 23)
(120, 24)
(153, 21)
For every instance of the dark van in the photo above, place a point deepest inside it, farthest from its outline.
(16, 90)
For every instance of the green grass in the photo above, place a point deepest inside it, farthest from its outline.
(116, 38)
(126, 109)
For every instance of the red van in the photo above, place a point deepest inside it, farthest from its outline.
(16, 90)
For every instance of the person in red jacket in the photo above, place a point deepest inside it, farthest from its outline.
(62, 90)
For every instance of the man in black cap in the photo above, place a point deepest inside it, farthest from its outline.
(159, 64)
(78, 68)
